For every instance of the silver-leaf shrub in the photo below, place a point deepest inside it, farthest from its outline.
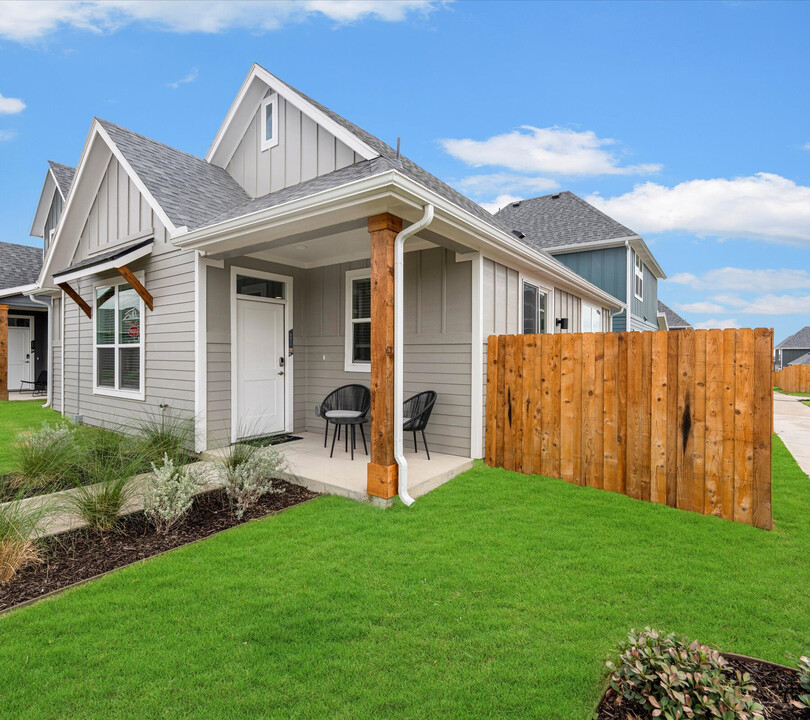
(248, 473)
(169, 493)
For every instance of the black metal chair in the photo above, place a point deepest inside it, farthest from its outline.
(348, 401)
(38, 386)
(415, 415)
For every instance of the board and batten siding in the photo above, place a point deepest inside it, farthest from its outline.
(305, 150)
(604, 267)
(438, 313)
(53, 218)
(644, 313)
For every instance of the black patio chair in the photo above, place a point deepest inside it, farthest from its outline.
(38, 386)
(415, 415)
(348, 401)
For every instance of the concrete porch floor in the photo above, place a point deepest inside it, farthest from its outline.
(311, 466)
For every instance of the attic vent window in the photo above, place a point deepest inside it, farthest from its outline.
(269, 121)
(555, 196)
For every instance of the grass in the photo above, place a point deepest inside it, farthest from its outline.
(806, 402)
(785, 392)
(495, 596)
(16, 417)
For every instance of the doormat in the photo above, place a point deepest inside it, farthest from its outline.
(270, 440)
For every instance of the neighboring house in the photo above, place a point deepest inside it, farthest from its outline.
(792, 348)
(27, 348)
(603, 251)
(243, 287)
(801, 360)
(668, 319)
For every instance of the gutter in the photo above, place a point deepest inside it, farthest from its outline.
(399, 344)
(49, 305)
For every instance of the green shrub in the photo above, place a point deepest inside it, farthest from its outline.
(19, 523)
(804, 679)
(247, 473)
(162, 434)
(169, 493)
(44, 458)
(672, 678)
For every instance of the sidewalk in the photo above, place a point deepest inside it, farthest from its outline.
(791, 421)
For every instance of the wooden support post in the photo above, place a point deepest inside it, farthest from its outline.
(126, 273)
(3, 352)
(382, 470)
(73, 295)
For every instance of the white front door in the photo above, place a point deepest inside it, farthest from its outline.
(19, 356)
(260, 367)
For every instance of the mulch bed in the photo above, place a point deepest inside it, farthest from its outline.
(82, 554)
(776, 687)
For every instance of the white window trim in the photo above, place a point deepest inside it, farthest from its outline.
(139, 394)
(591, 307)
(348, 364)
(638, 274)
(56, 339)
(269, 100)
(549, 291)
(289, 365)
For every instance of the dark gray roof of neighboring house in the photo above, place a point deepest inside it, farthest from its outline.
(19, 264)
(21, 301)
(674, 321)
(561, 219)
(64, 176)
(799, 340)
(801, 360)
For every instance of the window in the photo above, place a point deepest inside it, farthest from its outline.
(269, 118)
(358, 320)
(639, 278)
(260, 287)
(534, 309)
(118, 341)
(591, 318)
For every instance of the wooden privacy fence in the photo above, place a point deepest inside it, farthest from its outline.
(682, 418)
(795, 378)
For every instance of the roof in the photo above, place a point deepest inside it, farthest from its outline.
(561, 219)
(674, 321)
(19, 264)
(802, 360)
(64, 177)
(799, 340)
(119, 252)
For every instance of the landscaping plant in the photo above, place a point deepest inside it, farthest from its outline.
(169, 493)
(804, 679)
(247, 473)
(163, 433)
(18, 526)
(673, 678)
(44, 458)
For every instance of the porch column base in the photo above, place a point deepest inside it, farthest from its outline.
(382, 480)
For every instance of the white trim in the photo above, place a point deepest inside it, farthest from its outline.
(118, 262)
(200, 354)
(289, 365)
(477, 360)
(348, 322)
(21, 290)
(548, 290)
(31, 337)
(49, 188)
(638, 274)
(62, 354)
(116, 392)
(273, 141)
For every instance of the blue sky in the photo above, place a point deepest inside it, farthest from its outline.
(685, 121)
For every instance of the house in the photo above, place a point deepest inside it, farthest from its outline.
(668, 319)
(243, 287)
(801, 360)
(792, 348)
(597, 247)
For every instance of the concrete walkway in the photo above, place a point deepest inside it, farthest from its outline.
(791, 421)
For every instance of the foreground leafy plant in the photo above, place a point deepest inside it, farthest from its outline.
(247, 474)
(804, 679)
(169, 493)
(18, 526)
(673, 679)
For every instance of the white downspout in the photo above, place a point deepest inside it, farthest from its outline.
(399, 345)
(631, 278)
(49, 391)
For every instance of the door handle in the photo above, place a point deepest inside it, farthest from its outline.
(280, 372)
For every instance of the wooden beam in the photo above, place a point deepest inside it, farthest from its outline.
(382, 470)
(126, 273)
(3, 352)
(73, 295)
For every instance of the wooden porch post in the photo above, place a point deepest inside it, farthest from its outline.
(3, 352)
(382, 470)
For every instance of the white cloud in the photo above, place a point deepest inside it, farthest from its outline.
(715, 323)
(551, 150)
(499, 202)
(25, 21)
(764, 206)
(767, 304)
(806, 146)
(704, 307)
(6, 135)
(742, 279)
(500, 183)
(11, 106)
(189, 78)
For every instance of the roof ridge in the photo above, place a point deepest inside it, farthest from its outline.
(595, 209)
(150, 139)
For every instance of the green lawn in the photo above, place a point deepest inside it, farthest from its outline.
(785, 392)
(495, 596)
(15, 417)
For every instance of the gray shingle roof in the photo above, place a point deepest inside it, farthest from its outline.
(93, 260)
(190, 190)
(799, 340)
(561, 219)
(19, 264)
(64, 176)
(674, 321)
(801, 360)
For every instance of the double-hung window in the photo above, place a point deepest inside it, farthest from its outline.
(639, 278)
(118, 341)
(591, 318)
(269, 122)
(534, 309)
(358, 321)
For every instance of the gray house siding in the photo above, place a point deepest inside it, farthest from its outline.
(53, 218)
(791, 354)
(305, 150)
(606, 268)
